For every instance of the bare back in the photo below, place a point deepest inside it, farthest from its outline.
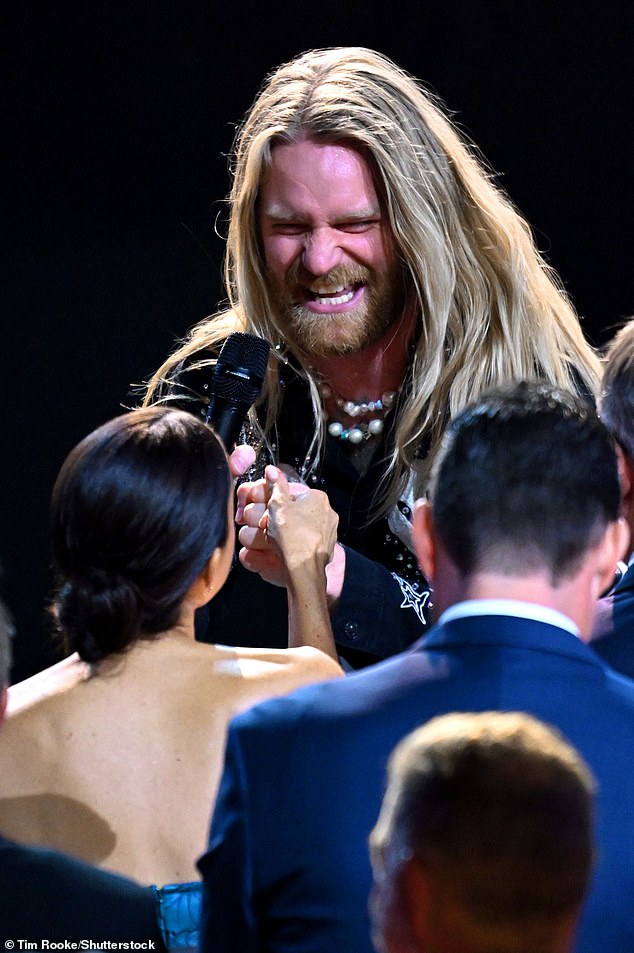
(121, 767)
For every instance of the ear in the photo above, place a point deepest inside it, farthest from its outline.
(626, 479)
(419, 902)
(206, 578)
(392, 909)
(613, 546)
(211, 578)
(625, 465)
(424, 536)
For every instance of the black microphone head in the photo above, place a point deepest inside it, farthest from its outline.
(240, 368)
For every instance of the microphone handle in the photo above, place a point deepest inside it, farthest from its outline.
(227, 418)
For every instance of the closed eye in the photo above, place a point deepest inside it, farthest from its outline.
(352, 226)
(288, 228)
(357, 226)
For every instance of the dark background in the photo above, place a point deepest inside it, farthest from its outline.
(119, 118)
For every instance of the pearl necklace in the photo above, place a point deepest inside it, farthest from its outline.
(364, 429)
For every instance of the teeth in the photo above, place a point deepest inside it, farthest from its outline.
(342, 299)
(325, 290)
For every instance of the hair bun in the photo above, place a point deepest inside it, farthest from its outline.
(137, 509)
(103, 580)
(96, 610)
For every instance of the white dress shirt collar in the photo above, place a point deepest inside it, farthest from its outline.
(509, 607)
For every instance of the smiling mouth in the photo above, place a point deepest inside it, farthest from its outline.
(340, 295)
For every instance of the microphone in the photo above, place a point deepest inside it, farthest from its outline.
(236, 383)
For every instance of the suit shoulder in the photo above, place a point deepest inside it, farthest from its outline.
(622, 688)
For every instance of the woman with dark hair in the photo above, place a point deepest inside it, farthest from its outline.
(121, 743)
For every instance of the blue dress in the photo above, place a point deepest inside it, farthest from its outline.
(178, 910)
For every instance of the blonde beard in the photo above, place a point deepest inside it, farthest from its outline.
(344, 332)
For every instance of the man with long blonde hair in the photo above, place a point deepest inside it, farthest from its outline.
(395, 281)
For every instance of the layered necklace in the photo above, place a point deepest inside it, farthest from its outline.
(369, 415)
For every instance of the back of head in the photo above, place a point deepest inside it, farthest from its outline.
(496, 811)
(526, 481)
(617, 390)
(138, 508)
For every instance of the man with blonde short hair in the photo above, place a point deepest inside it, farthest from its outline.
(484, 843)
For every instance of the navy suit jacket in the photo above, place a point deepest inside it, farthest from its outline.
(287, 867)
(613, 636)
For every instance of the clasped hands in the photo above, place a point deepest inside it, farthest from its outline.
(286, 528)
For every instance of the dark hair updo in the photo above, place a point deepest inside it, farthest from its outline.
(137, 509)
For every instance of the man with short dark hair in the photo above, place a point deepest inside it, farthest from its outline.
(484, 842)
(520, 537)
(613, 634)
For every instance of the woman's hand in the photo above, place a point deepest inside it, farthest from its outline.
(286, 527)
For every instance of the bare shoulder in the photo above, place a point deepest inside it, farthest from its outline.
(262, 673)
(314, 662)
(47, 684)
(39, 710)
(260, 662)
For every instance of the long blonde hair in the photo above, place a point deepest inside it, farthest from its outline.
(491, 309)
